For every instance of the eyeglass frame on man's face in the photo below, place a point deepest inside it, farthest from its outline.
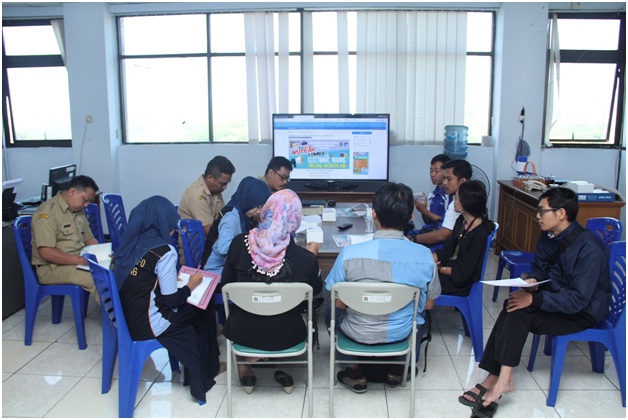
(542, 211)
(285, 178)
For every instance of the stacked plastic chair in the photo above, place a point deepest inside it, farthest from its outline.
(34, 292)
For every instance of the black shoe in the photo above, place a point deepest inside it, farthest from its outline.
(248, 383)
(284, 380)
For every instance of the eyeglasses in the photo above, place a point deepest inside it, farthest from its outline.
(283, 177)
(542, 211)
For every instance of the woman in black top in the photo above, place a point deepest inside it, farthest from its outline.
(269, 254)
(460, 261)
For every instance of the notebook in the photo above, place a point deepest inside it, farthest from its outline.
(202, 294)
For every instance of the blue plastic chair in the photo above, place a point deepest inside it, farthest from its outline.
(609, 334)
(608, 228)
(116, 218)
(516, 262)
(34, 292)
(193, 240)
(92, 212)
(470, 307)
(117, 342)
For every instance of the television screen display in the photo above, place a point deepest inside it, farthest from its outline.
(333, 147)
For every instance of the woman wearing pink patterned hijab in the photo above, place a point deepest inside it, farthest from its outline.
(281, 216)
(269, 254)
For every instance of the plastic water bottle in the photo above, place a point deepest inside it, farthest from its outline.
(456, 141)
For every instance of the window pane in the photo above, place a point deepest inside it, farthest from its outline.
(585, 101)
(326, 84)
(40, 103)
(30, 40)
(477, 97)
(227, 32)
(166, 100)
(325, 29)
(163, 34)
(479, 32)
(588, 34)
(294, 29)
(294, 83)
(229, 99)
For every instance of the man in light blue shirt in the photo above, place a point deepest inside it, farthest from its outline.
(389, 257)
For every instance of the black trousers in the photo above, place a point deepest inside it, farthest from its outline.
(191, 338)
(511, 329)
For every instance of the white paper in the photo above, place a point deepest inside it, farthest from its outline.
(517, 282)
(198, 292)
(310, 221)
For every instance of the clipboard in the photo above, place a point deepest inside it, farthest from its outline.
(203, 293)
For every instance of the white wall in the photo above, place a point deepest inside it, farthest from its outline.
(138, 171)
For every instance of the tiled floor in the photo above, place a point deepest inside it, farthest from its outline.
(53, 378)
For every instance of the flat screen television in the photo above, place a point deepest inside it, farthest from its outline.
(334, 151)
(59, 178)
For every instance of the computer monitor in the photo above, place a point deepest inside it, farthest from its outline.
(59, 178)
(334, 151)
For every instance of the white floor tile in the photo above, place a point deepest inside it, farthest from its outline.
(34, 395)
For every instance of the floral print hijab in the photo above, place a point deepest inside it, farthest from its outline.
(281, 216)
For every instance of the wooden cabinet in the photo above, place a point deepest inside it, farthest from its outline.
(518, 228)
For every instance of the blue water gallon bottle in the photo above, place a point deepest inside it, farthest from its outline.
(456, 141)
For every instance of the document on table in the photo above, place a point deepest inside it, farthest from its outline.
(517, 282)
(345, 240)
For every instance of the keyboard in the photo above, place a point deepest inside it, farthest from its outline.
(311, 203)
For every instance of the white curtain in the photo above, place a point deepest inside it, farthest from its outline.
(412, 65)
(553, 82)
(262, 90)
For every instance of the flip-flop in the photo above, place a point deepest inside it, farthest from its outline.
(284, 380)
(476, 397)
(485, 412)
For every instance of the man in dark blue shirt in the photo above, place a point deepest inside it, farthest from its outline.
(576, 298)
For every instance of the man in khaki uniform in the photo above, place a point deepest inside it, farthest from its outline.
(59, 231)
(202, 200)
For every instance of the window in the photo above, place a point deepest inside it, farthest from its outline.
(218, 77)
(585, 87)
(36, 104)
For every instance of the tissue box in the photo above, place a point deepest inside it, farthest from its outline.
(579, 186)
(329, 215)
(314, 234)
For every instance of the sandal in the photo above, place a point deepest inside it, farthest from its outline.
(477, 398)
(357, 385)
(284, 380)
(484, 412)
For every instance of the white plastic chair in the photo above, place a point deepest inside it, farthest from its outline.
(268, 300)
(373, 299)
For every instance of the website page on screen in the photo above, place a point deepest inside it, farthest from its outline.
(333, 147)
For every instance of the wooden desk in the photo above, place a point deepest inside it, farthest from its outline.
(328, 251)
(518, 228)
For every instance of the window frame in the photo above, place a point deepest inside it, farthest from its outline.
(25, 61)
(617, 57)
(315, 53)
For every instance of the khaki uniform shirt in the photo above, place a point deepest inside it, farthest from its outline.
(200, 204)
(55, 225)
